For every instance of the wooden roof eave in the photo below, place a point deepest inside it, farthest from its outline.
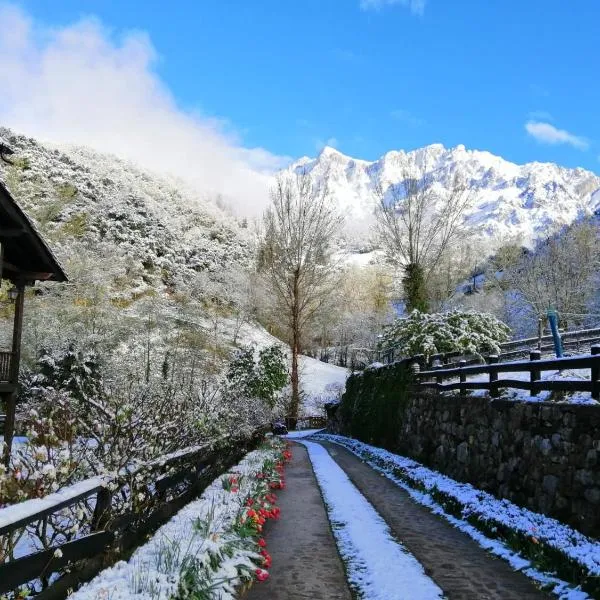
(28, 228)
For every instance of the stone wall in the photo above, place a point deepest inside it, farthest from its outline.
(543, 456)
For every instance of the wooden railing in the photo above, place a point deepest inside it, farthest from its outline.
(438, 378)
(5, 362)
(357, 358)
(312, 422)
(113, 520)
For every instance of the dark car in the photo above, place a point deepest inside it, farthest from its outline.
(279, 428)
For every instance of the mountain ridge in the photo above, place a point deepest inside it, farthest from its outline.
(510, 201)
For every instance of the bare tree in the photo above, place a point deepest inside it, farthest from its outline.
(418, 222)
(295, 257)
(560, 273)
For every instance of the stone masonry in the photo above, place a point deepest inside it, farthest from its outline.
(543, 456)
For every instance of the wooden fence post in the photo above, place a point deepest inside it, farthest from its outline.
(463, 378)
(595, 374)
(102, 509)
(494, 391)
(534, 374)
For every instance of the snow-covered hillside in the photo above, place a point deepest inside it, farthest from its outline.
(79, 197)
(509, 200)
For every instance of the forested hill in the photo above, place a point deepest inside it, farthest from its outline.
(82, 200)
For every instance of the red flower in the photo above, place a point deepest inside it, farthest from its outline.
(261, 575)
(261, 542)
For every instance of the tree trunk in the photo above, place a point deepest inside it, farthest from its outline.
(295, 377)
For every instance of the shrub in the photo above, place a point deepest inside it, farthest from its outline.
(262, 379)
(466, 332)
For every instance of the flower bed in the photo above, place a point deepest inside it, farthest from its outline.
(213, 547)
(539, 544)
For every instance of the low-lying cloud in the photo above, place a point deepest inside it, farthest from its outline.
(546, 133)
(81, 85)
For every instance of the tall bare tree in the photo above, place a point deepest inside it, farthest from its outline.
(295, 257)
(418, 222)
(561, 273)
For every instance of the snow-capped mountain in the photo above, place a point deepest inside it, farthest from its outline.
(509, 201)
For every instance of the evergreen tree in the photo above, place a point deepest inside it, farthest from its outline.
(415, 289)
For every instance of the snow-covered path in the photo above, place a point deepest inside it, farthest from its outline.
(379, 568)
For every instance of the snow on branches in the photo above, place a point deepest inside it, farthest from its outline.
(428, 334)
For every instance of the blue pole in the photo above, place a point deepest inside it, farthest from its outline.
(553, 321)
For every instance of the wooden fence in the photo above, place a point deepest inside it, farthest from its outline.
(358, 358)
(438, 378)
(112, 515)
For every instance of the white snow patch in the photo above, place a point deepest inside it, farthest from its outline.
(573, 543)
(149, 576)
(320, 383)
(303, 433)
(379, 567)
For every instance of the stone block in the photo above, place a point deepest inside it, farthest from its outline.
(550, 484)
(462, 453)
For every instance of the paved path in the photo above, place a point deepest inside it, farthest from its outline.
(463, 569)
(306, 564)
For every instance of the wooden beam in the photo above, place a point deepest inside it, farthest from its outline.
(25, 275)
(14, 232)
(11, 400)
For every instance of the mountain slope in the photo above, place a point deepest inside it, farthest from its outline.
(509, 200)
(81, 198)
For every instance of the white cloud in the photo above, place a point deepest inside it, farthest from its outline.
(406, 117)
(80, 84)
(416, 6)
(546, 133)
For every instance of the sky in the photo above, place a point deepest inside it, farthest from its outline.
(234, 86)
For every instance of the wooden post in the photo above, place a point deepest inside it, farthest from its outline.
(9, 426)
(595, 374)
(463, 378)
(494, 391)
(540, 332)
(439, 379)
(420, 358)
(534, 374)
(102, 510)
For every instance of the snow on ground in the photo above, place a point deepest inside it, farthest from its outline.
(320, 383)
(542, 396)
(302, 433)
(378, 567)
(200, 531)
(572, 543)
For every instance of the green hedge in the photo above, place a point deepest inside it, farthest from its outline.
(373, 404)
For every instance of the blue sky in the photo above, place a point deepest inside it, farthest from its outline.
(515, 77)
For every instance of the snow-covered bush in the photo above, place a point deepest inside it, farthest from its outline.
(263, 378)
(466, 332)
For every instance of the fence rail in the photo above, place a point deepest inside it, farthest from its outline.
(169, 483)
(437, 378)
(357, 358)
